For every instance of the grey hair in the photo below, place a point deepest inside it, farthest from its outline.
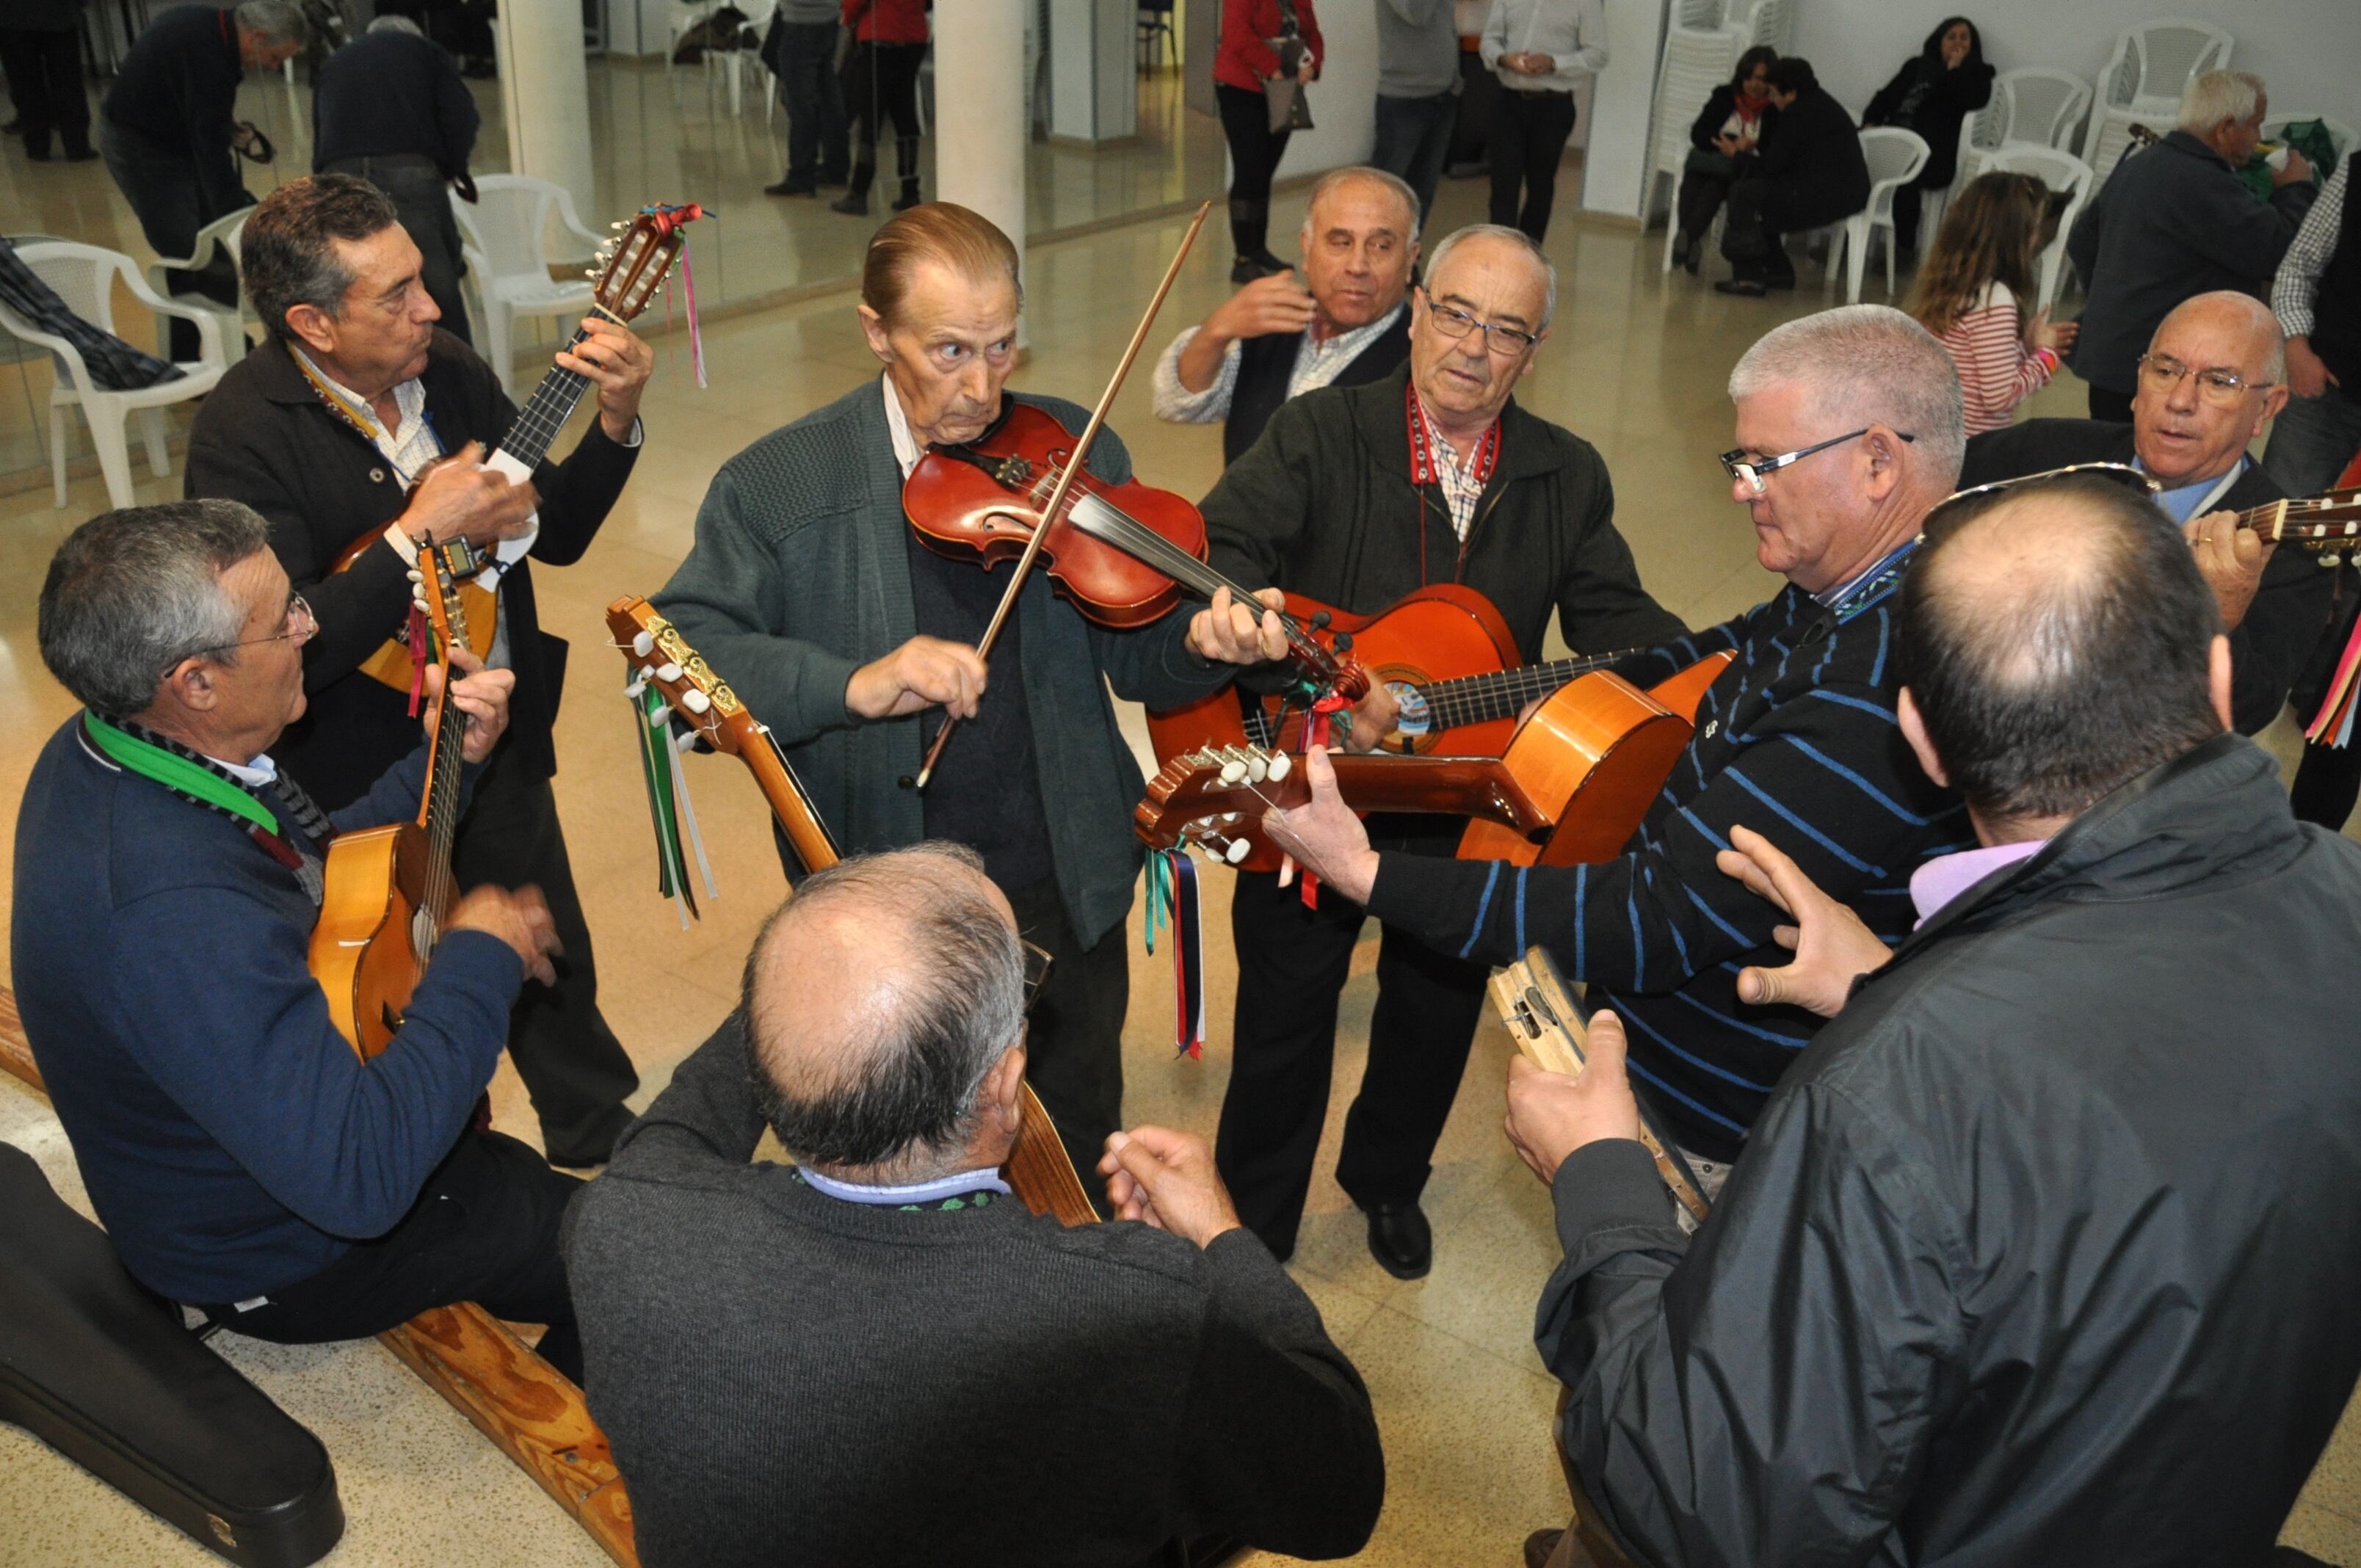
(397, 25)
(281, 21)
(132, 593)
(1865, 365)
(2216, 96)
(2259, 320)
(1517, 237)
(904, 1094)
(1351, 171)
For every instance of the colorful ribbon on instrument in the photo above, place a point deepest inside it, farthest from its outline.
(669, 807)
(1325, 713)
(688, 292)
(1172, 896)
(2333, 725)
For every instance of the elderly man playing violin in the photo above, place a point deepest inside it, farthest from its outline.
(854, 642)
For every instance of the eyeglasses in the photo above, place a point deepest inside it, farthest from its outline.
(301, 623)
(1751, 471)
(2221, 388)
(2123, 474)
(1452, 322)
(1037, 971)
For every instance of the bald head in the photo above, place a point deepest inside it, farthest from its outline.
(2057, 642)
(2186, 432)
(877, 1002)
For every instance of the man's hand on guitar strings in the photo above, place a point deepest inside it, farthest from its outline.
(482, 694)
(521, 918)
(1228, 633)
(618, 361)
(458, 498)
(1167, 1180)
(2232, 559)
(1831, 945)
(1324, 836)
(1552, 1115)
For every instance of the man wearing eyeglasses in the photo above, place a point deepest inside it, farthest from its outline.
(1356, 496)
(168, 874)
(1848, 431)
(2213, 376)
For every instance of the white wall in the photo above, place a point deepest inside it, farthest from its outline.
(2306, 49)
(1344, 100)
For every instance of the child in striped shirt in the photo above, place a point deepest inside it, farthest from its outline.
(1972, 287)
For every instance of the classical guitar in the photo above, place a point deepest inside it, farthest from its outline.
(632, 268)
(1573, 786)
(2331, 520)
(1043, 1177)
(390, 888)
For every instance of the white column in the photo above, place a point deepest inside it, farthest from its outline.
(981, 110)
(546, 92)
(1615, 156)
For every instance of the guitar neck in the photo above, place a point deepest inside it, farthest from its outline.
(809, 837)
(546, 413)
(1504, 693)
(2330, 521)
(1456, 787)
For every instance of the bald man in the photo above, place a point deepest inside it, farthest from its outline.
(2049, 1249)
(2213, 376)
(876, 1355)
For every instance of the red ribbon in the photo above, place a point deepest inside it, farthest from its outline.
(1315, 739)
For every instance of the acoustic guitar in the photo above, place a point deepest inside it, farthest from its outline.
(1574, 785)
(631, 267)
(1039, 1171)
(390, 888)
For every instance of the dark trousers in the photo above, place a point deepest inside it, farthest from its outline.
(1254, 152)
(1529, 135)
(1700, 197)
(881, 81)
(484, 1228)
(819, 133)
(1291, 964)
(167, 192)
(2116, 408)
(44, 71)
(1906, 204)
(1414, 135)
(576, 1070)
(1073, 1037)
(423, 201)
(1753, 239)
(1479, 91)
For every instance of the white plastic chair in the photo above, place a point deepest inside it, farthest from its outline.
(2059, 170)
(504, 236)
(1894, 158)
(84, 277)
(2143, 81)
(1769, 22)
(2033, 107)
(1695, 63)
(1697, 16)
(222, 233)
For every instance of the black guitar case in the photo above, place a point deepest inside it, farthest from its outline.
(103, 1372)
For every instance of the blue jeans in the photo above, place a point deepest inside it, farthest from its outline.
(818, 133)
(2312, 441)
(1414, 135)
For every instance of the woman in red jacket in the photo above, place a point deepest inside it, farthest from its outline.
(881, 77)
(1262, 40)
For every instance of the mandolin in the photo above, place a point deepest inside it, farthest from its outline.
(390, 888)
(1043, 1177)
(632, 266)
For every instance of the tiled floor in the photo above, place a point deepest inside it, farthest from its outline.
(1636, 364)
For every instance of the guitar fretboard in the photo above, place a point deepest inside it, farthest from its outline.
(1504, 693)
(2331, 519)
(546, 413)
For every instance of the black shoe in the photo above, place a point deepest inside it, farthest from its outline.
(1271, 263)
(792, 187)
(1748, 288)
(908, 199)
(40, 157)
(12, 127)
(1245, 269)
(1400, 1241)
(1683, 248)
(853, 204)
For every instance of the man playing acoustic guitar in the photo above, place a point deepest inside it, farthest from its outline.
(243, 1158)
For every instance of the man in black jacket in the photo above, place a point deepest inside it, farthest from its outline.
(877, 1355)
(2024, 1266)
(1338, 503)
(1344, 326)
(1806, 173)
(2174, 222)
(330, 431)
(2209, 382)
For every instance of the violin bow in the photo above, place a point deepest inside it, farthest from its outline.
(1065, 481)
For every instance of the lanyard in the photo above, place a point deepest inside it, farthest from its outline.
(1869, 584)
(1425, 467)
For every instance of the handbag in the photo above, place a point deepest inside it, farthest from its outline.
(1289, 110)
(1710, 164)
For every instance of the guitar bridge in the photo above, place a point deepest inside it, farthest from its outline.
(388, 1018)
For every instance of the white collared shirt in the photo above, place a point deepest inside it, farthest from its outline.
(255, 774)
(897, 425)
(1317, 364)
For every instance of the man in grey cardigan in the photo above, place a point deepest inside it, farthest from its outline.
(877, 1355)
(810, 592)
(1418, 93)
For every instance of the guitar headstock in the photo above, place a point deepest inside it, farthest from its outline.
(441, 569)
(660, 655)
(632, 265)
(1211, 796)
(2330, 521)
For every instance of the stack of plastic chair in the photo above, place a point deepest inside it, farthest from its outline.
(2151, 67)
(1697, 61)
(1769, 22)
(2061, 171)
(503, 233)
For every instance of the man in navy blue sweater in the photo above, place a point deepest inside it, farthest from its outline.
(242, 1158)
(1848, 431)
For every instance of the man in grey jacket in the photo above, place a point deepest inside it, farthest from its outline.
(852, 640)
(2175, 222)
(876, 1355)
(2048, 1248)
(1418, 93)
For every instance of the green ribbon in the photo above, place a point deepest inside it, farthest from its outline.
(177, 772)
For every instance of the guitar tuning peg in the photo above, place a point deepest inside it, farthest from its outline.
(686, 741)
(694, 700)
(1279, 766)
(637, 688)
(644, 644)
(667, 671)
(616, 225)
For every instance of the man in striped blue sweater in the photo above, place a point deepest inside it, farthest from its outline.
(1848, 430)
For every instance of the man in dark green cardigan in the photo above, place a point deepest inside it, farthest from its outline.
(809, 591)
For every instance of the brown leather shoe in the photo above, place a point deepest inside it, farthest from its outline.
(1539, 1545)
